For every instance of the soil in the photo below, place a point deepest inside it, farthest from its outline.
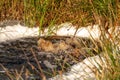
(27, 57)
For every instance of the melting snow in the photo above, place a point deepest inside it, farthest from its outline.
(66, 29)
(83, 70)
(16, 31)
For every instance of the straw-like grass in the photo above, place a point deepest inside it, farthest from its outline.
(45, 13)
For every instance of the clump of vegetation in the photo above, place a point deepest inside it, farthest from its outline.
(45, 13)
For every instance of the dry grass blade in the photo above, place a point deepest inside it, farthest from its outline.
(39, 67)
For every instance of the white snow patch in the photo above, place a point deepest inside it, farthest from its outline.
(16, 31)
(67, 29)
(83, 70)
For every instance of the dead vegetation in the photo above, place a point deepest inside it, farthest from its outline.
(45, 13)
(72, 45)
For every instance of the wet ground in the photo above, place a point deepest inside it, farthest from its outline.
(25, 57)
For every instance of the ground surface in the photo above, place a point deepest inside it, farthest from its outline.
(31, 54)
(19, 53)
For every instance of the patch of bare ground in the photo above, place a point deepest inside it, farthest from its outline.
(44, 55)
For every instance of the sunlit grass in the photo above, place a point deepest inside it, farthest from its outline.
(111, 53)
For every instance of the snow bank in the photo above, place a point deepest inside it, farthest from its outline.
(83, 70)
(65, 29)
(90, 31)
(16, 31)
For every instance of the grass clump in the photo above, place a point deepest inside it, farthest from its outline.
(46, 13)
(105, 14)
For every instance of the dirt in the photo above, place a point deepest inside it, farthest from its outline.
(34, 59)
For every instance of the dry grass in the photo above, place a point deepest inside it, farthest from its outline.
(44, 13)
(32, 11)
